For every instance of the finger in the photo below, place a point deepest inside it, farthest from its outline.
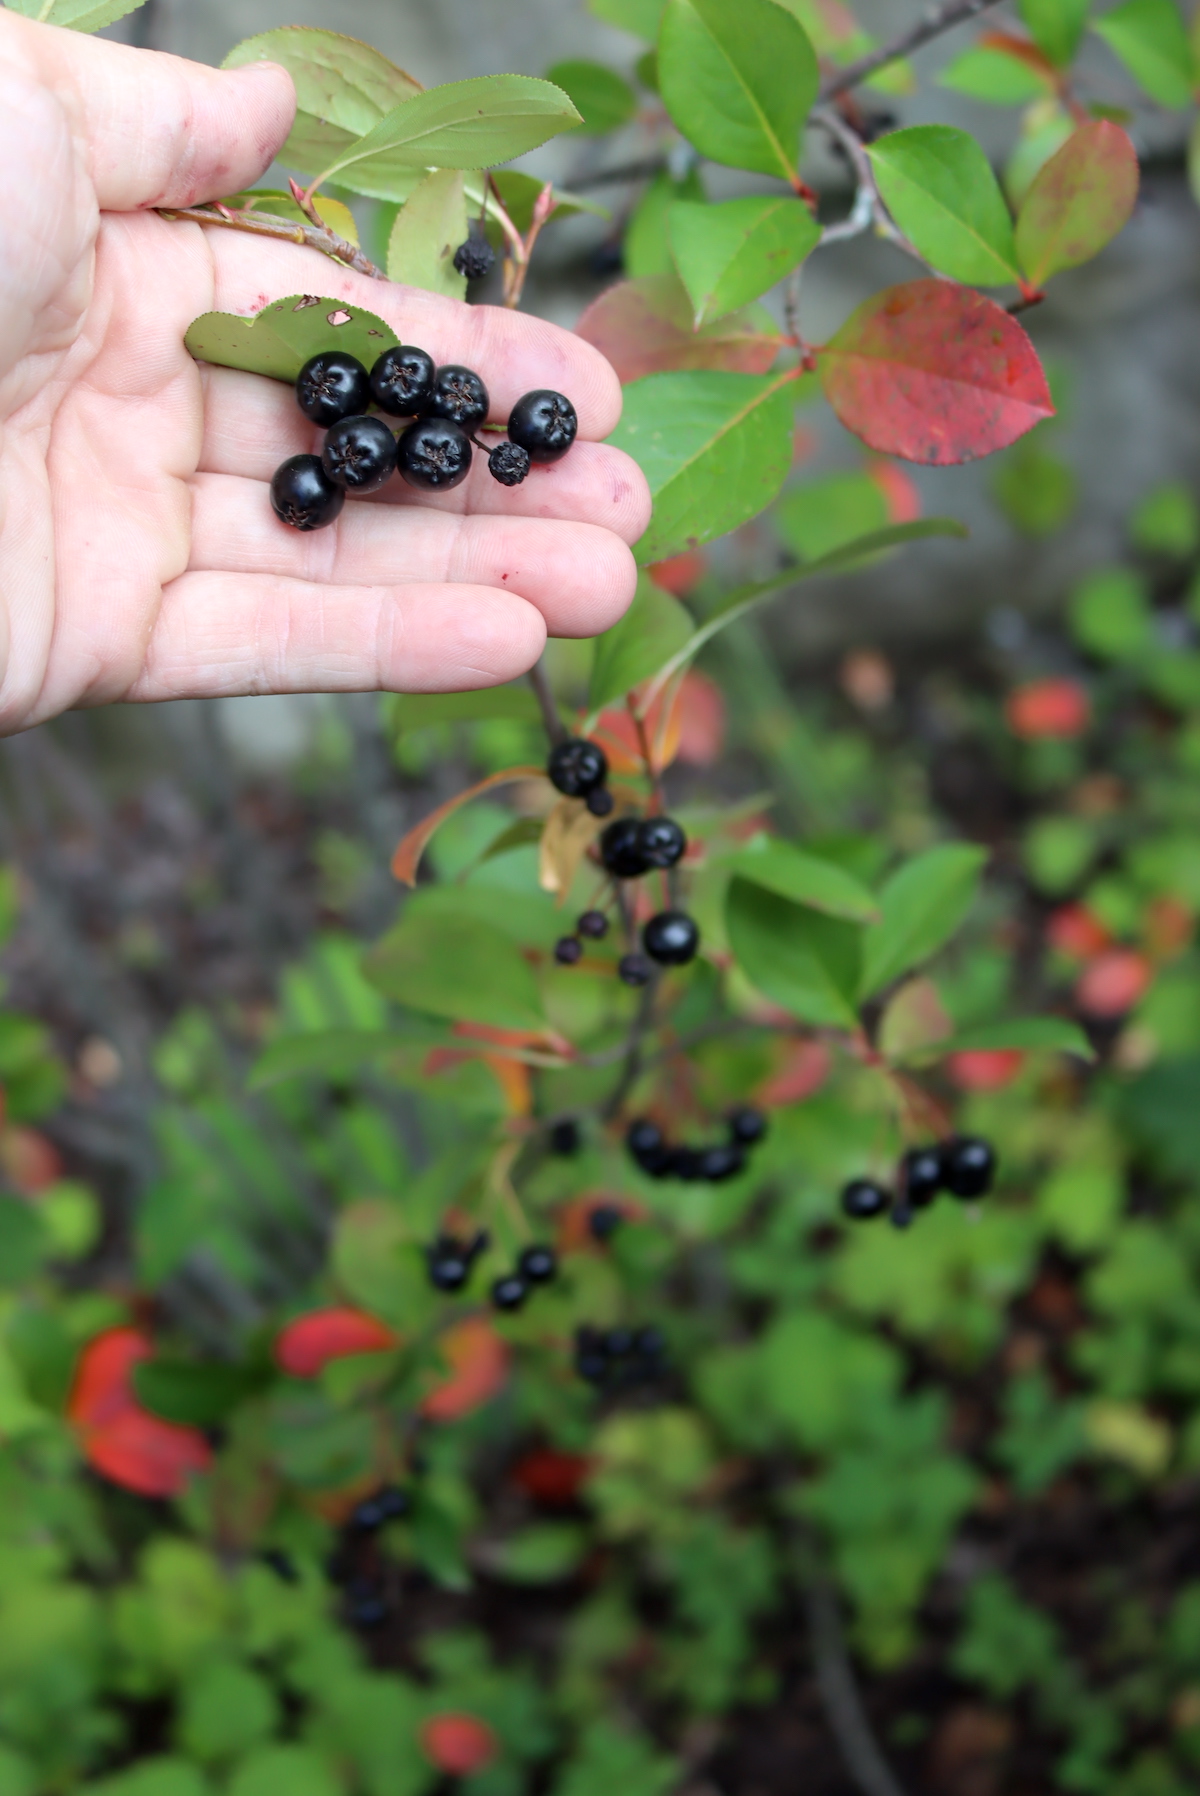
(512, 352)
(580, 578)
(224, 634)
(156, 130)
(251, 425)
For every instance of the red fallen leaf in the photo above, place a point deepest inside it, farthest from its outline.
(899, 490)
(1113, 982)
(1048, 708)
(802, 1072)
(120, 1439)
(30, 1160)
(1078, 201)
(985, 1069)
(407, 857)
(458, 1744)
(934, 373)
(1073, 930)
(478, 1361)
(552, 1477)
(305, 1347)
(679, 573)
(645, 327)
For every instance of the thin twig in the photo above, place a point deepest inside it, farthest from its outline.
(645, 170)
(284, 230)
(643, 1025)
(843, 133)
(942, 18)
(555, 728)
(839, 1690)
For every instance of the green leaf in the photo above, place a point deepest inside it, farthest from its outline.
(1150, 38)
(1031, 1034)
(611, 1756)
(729, 254)
(783, 868)
(739, 81)
(653, 629)
(75, 15)
(197, 1395)
(646, 249)
(1167, 522)
(429, 227)
(24, 1243)
(1111, 614)
(1078, 201)
(989, 73)
(545, 1553)
(603, 100)
(639, 17)
(939, 187)
(798, 958)
(823, 515)
(464, 124)
(224, 1710)
(438, 961)
(922, 905)
(279, 340)
(1036, 491)
(1056, 26)
(155, 1776)
(343, 89)
(284, 1771)
(714, 447)
(425, 710)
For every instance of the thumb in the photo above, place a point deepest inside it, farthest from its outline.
(157, 130)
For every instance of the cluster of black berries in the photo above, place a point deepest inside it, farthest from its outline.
(450, 1261)
(615, 1357)
(651, 1151)
(354, 1564)
(965, 1166)
(360, 453)
(578, 769)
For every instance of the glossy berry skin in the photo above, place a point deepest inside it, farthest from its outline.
(434, 454)
(644, 1137)
(568, 951)
(604, 1221)
(576, 767)
(593, 924)
(618, 1342)
(509, 1292)
(564, 1138)
(476, 257)
(621, 849)
(863, 1199)
(303, 495)
(722, 1162)
(331, 387)
(686, 1163)
(661, 841)
(402, 380)
(544, 423)
(448, 1271)
(747, 1126)
(969, 1166)
(459, 395)
(538, 1264)
(359, 454)
(509, 464)
(600, 802)
(671, 938)
(921, 1175)
(634, 969)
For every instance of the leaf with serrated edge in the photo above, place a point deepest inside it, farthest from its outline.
(429, 228)
(633, 650)
(463, 124)
(1078, 202)
(922, 905)
(731, 253)
(343, 88)
(76, 15)
(279, 340)
(1030, 1034)
(407, 858)
(939, 187)
(934, 373)
(794, 955)
(645, 326)
(739, 81)
(804, 878)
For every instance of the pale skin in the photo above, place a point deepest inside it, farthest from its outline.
(139, 556)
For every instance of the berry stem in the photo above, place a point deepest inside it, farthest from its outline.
(942, 18)
(285, 230)
(539, 680)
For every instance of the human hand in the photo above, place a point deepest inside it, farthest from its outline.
(139, 556)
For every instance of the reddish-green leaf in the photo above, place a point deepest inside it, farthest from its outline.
(1079, 201)
(306, 1346)
(934, 373)
(645, 327)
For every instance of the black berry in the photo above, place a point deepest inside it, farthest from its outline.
(564, 1138)
(281, 1563)
(661, 841)
(969, 1166)
(568, 950)
(902, 1216)
(303, 495)
(621, 849)
(650, 1343)
(921, 1176)
(359, 454)
(331, 387)
(600, 802)
(604, 1221)
(475, 257)
(459, 395)
(671, 938)
(448, 1272)
(644, 1137)
(402, 380)
(509, 1292)
(685, 1163)
(747, 1125)
(634, 969)
(538, 1264)
(366, 1605)
(508, 463)
(722, 1162)
(591, 1363)
(863, 1198)
(618, 1342)
(372, 1513)
(434, 453)
(544, 423)
(576, 767)
(593, 924)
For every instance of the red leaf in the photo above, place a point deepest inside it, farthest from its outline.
(645, 327)
(458, 1744)
(1079, 200)
(1073, 930)
(478, 1361)
(899, 491)
(552, 1477)
(120, 1439)
(306, 1346)
(1048, 708)
(679, 573)
(1113, 982)
(30, 1160)
(804, 1069)
(934, 373)
(985, 1069)
(407, 857)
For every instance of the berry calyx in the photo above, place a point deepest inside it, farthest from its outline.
(621, 849)
(359, 454)
(302, 494)
(921, 1176)
(568, 950)
(576, 767)
(476, 257)
(604, 1221)
(508, 463)
(402, 380)
(600, 802)
(747, 1125)
(671, 938)
(509, 1292)
(538, 1264)
(434, 453)
(544, 423)
(564, 1138)
(593, 924)
(863, 1199)
(661, 841)
(969, 1166)
(634, 969)
(459, 395)
(331, 387)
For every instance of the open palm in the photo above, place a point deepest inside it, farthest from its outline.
(139, 556)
